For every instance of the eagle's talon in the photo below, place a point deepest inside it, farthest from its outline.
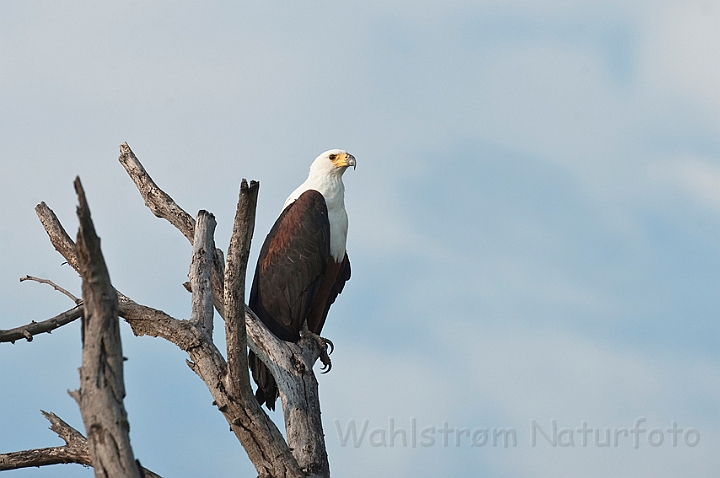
(326, 348)
(325, 359)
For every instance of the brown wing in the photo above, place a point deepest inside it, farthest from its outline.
(295, 280)
(334, 279)
(291, 264)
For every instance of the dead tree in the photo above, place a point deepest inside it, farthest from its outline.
(215, 283)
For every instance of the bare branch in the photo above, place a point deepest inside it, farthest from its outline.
(200, 272)
(54, 286)
(41, 457)
(101, 375)
(65, 431)
(164, 207)
(75, 450)
(209, 364)
(160, 203)
(60, 239)
(46, 326)
(235, 272)
(58, 236)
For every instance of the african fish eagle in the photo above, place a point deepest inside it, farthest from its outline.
(303, 265)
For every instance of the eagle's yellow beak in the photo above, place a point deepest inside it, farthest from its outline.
(346, 160)
(342, 159)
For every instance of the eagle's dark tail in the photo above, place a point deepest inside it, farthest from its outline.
(267, 391)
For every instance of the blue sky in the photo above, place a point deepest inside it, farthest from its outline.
(534, 219)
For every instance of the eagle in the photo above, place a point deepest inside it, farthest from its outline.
(303, 264)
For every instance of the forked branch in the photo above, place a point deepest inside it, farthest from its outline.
(75, 450)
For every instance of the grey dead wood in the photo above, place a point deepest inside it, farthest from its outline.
(161, 204)
(60, 239)
(164, 207)
(257, 433)
(201, 313)
(292, 366)
(75, 450)
(28, 331)
(234, 291)
(261, 439)
(58, 236)
(65, 292)
(102, 388)
(238, 377)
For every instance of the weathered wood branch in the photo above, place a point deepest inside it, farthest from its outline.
(254, 421)
(260, 437)
(301, 409)
(75, 450)
(59, 238)
(46, 326)
(164, 207)
(65, 292)
(102, 388)
(161, 204)
(200, 271)
(291, 365)
(235, 274)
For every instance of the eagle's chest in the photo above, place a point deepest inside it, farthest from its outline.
(338, 230)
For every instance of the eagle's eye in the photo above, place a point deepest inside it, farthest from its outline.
(332, 157)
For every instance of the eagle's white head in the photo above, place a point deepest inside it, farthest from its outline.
(326, 178)
(332, 162)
